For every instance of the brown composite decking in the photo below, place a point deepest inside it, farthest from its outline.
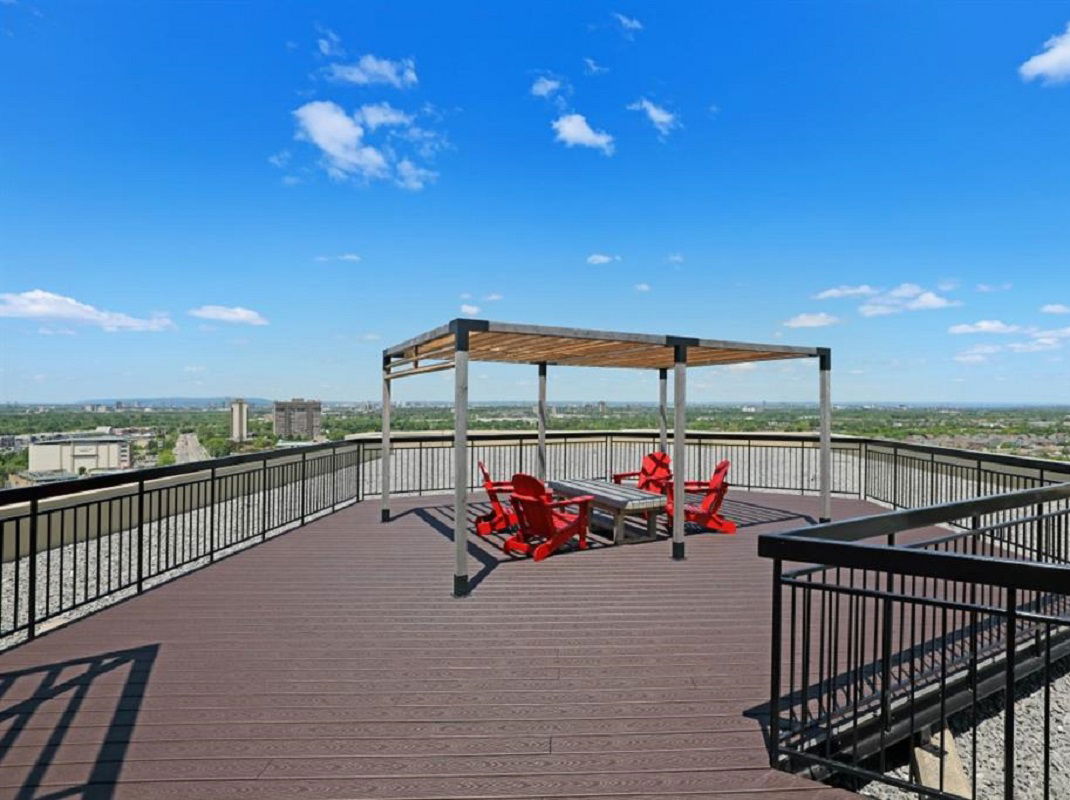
(331, 663)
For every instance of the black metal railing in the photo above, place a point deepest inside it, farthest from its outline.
(889, 640)
(69, 549)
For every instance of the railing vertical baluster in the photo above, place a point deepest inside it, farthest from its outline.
(358, 472)
(211, 514)
(1008, 701)
(31, 611)
(263, 499)
(140, 535)
(775, 654)
(304, 462)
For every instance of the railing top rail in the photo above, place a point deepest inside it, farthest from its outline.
(840, 544)
(25, 494)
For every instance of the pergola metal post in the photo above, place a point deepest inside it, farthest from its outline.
(541, 461)
(460, 463)
(679, 448)
(663, 410)
(825, 469)
(384, 472)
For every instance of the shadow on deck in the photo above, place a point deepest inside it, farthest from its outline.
(332, 663)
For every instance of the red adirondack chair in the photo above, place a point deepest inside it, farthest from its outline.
(652, 476)
(499, 518)
(540, 517)
(707, 513)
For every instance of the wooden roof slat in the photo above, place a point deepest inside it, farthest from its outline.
(528, 344)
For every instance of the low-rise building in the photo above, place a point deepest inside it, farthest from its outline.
(80, 456)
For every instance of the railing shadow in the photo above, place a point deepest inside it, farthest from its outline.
(52, 685)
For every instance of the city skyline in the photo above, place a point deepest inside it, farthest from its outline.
(204, 203)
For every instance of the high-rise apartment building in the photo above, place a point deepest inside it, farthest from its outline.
(297, 418)
(239, 420)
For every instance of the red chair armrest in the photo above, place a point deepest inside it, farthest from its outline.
(620, 476)
(695, 486)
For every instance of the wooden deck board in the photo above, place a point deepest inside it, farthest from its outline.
(332, 663)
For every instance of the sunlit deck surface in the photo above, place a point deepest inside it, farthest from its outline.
(331, 662)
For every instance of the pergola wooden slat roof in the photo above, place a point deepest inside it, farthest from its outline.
(534, 344)
(453, 345)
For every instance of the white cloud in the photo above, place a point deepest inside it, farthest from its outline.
(45, 330)
(352, 257)
(369, 337)
(592, 67)
(235, 314)
(904, 297)
(1053, 65)
(339, 137)
(906, 290)
(1055, 308)
(469, 310)
(193, 368)
(370, 69)
(877, 310)
(601, 258)
(39, 304)
(572, 129)
(375, 115)
(544, 86)
(988, 288)
(659, 117)
(428, 143)
(947, 285)
(746, 366)
(864, 290)
(493, 297)
(466, 295)
(642, 287)
(1037, 345)
(330, 43)
(675, 258)
(984, 326)
(279, 159)
(628, 24)
(413, 177)
(818, 320)
(929, 300)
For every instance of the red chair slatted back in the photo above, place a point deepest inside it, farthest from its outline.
(717, 489)
(655, 470)
(529, 500)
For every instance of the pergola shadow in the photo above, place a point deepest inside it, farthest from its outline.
(42, 685)
(490, 553)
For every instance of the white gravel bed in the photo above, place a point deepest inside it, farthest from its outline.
(1028, 743)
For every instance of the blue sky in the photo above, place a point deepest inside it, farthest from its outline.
(253, 199)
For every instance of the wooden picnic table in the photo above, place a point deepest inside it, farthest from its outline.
(616, 500)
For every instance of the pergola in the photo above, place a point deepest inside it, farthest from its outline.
(453, 345)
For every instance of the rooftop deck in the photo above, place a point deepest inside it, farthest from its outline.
(329, 663)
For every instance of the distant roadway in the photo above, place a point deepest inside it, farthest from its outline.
(188, 448)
